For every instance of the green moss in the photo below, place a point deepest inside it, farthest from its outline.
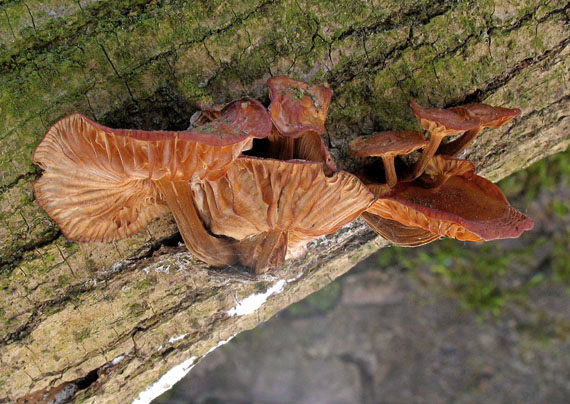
(81, 335)
(137, 309)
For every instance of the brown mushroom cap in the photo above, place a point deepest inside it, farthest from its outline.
(440, 123)
(265, 195)
(466, 207)
(444, 121)
(98, 182)
(490, 117)
(297, 107)
(383, 143)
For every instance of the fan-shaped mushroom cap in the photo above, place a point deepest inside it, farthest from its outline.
(98, 182)
(466, 207)
(490, 117)
(265, 195)
(388, 143)
(297, 107)
(444, 121)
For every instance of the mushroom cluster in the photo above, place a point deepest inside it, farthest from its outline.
(254, 185)
(438, 195)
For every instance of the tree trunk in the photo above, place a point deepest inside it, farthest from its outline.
(113, 318)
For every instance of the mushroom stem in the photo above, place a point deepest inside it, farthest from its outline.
(390, 170)
(213, 250)
(427, 154)
(458, 145)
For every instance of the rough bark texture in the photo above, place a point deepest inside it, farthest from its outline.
(68, 310)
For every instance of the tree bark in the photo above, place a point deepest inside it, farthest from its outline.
(113, 318)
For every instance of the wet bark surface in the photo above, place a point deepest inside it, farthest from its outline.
(71, 310)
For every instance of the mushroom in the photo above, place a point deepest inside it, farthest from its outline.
(490, 117)
(439, 123)
(273, 208)
(297, 107)
(466, 207)
(388, 145)
(298, 112)
(103, 184)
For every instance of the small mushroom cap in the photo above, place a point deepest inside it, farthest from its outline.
(238, 121)
(443, 121)
(397, 233)
(297, 107)
(466, 207)
(388, 143)
(488, 115)
(264, 195)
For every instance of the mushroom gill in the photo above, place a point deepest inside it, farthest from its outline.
(465, 206)
(271, 205)
(99, 184)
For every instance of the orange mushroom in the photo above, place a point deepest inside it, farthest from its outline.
(439, 123)
(298, 112)
(275, 207)
(490, 117)
(297, 107)
(102, 184)
(465, 206)
(388, 145)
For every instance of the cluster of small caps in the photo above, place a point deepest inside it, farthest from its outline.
(254, 185)
(438, 195)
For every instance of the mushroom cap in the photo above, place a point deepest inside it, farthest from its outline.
(263, 195)
(466, 207)
(488, 115)
(239, 120)
(388, 143)
(98, 182)
(297, 107)
(398, 233)
(443, 121)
